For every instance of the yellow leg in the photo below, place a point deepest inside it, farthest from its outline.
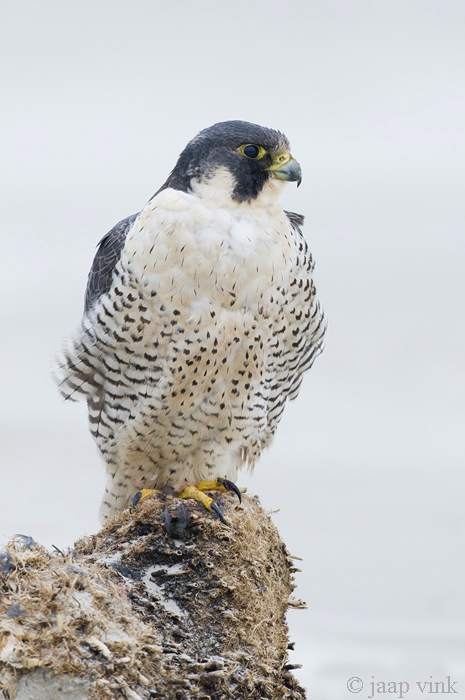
(197, 495)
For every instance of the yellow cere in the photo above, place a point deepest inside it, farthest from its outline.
(280, 160)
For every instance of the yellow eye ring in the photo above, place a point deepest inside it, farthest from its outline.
(252, 151)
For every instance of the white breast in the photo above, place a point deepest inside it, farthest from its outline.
(196, 251)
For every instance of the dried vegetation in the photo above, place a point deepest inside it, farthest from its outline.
(164, 602)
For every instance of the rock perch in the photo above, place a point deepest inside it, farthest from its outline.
(164, 602)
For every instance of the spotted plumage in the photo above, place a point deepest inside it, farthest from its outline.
(200, 319)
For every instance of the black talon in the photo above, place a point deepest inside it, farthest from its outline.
(231, 486)
(217, 510)
(136, 499)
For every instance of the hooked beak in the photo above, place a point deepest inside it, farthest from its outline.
(290, 170)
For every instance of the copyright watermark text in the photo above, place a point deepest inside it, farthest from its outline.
(399, 689)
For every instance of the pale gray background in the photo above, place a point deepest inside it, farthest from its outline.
(99, 97)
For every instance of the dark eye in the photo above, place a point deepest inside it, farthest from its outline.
(251, 151)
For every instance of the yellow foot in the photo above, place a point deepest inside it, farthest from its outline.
(196, 492)
(143, 493)
(193, 492)
(223, 485)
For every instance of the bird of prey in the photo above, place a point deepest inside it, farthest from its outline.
(200, 319)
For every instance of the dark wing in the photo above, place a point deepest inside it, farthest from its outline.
(297, 220)
(106, 258)
(313, 344)
(287, 368)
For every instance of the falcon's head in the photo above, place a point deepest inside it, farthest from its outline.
(236, 159)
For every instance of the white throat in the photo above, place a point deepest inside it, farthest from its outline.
(219, 188)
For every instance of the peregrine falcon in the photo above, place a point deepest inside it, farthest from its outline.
(200, 319)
